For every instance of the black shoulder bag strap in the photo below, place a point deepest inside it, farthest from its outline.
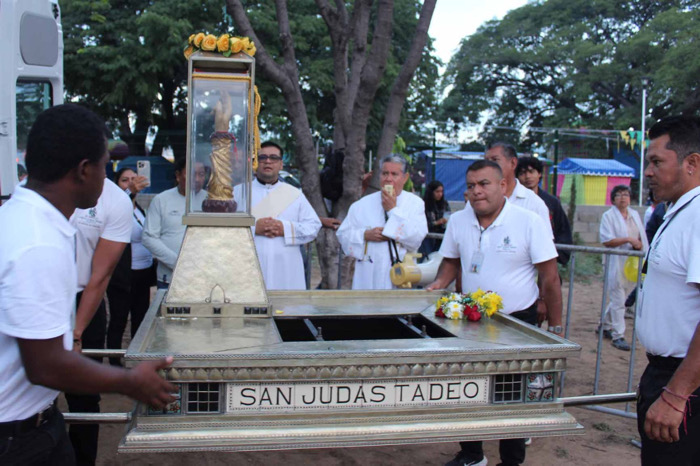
(393, 249)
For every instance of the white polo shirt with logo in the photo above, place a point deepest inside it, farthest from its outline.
(670, 307)
(529, 200)
(38, 282)
(511, 246)
(109, 219)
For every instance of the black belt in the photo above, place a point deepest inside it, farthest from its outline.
(525, 313)
(13, 428)
(664, 362)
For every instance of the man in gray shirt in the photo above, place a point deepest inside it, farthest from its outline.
(163, 230)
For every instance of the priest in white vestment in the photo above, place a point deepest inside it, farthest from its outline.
(381, 227)
(284, 220)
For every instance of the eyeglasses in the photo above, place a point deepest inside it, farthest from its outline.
(623, 194)
(271, 158)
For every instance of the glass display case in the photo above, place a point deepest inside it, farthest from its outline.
(217, 271)
(221, 146)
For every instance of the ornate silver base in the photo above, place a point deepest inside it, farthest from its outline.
(263, 384)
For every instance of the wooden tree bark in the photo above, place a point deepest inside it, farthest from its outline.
(400, 87)
(286, 77)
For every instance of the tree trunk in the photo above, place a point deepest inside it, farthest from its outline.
(356, 85)
(403, 80)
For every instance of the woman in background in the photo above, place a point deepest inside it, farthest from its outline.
(437, 211)
(135, 301)
(620, 228)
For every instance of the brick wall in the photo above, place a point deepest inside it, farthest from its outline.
(587, 221)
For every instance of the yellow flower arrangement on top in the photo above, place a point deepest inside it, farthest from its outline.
(209, 43)
(470, 306)
(197, 39)
(224, 44)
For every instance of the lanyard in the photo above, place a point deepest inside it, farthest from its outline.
(481, 233)
(657, 237)
(137, 219)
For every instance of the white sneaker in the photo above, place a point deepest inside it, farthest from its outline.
(460, 461)
(528, 442)
(483, 462)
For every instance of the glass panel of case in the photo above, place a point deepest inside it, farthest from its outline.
(220, 159)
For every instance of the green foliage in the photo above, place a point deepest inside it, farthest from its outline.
(578, 63)
(588, 266)
(313, 52)
(124, 57)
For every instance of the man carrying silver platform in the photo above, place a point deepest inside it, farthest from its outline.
(382, 227)
(503, 248)
(668, 403)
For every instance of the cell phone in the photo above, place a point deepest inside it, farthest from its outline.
(389, 189)
(143, 168)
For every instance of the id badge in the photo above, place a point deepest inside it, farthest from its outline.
(476, 262)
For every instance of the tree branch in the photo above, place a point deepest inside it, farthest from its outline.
(371, 75)
(287, 42)
(336, 22)
(399, 89)
(262, 57)
(360, 30)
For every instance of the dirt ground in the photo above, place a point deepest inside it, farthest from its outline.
(607, 438)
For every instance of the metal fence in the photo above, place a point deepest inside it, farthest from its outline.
(592, 402)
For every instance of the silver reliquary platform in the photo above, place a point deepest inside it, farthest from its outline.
(263, 370)
(347, 368)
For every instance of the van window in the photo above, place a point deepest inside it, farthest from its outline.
(33, 97)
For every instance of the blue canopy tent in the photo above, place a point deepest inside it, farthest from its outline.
(594, 179)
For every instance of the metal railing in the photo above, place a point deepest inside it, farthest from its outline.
(592, 402)
(603, 311)
(573, 249)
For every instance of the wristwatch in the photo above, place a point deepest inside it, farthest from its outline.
(555, 329)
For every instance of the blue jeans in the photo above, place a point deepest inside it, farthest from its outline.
(48, 445)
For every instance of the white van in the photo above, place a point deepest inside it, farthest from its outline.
(31, 76)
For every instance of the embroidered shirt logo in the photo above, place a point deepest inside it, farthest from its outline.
(506, 245)
(92, 212)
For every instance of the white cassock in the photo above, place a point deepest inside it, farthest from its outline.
(280, 257)
(406, 224)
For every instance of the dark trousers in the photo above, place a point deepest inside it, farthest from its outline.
(686, 451)
(47, 445)
(84, 436)
(512, 451)
(124, 302)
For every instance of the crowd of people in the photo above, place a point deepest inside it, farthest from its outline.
(78, 237)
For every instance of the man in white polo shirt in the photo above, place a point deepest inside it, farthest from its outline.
(506, 157)
(668, 324)
(501, 247)
(66, 158)
(103, 232)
